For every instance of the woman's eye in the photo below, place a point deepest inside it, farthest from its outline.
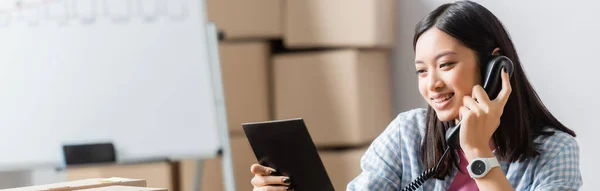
(420, 71)
(447, 64)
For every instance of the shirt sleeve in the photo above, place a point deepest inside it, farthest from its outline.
(561, 172)
(381, 162)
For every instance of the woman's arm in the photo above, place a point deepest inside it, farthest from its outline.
(380, 164)
(480, 117)
(376, 174)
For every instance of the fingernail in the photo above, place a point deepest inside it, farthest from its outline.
(288, 188)
(504, 69)
(286, 180)
(273, 173)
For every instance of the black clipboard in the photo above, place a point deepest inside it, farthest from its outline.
(286, 146)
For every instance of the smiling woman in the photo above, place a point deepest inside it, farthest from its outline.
(511, 142)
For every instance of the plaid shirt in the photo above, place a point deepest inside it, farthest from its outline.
(392, 161)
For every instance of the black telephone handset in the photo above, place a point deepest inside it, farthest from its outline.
(492, 84)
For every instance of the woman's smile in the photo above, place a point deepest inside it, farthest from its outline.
(441, 101)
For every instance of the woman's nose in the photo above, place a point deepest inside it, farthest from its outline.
(434, 81)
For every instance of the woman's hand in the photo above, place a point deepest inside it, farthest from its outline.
(480, 118)
(265, 181)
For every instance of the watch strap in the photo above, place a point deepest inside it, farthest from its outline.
(492, 162)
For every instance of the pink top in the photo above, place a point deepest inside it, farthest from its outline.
(462, 181)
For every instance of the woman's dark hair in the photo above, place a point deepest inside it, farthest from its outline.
(524, 117)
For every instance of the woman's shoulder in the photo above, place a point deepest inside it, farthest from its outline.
(392, 153)
(557, 166)
(411, 116)
(409, 123)
(416, 112)
(556, 145)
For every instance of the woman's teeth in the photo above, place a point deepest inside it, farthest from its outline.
(446, 98)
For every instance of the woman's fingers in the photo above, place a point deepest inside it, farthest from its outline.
(258, 169)
(259, 181)
(506, 88)
(481, 97)
(464, 113)
(264, 179)
(470, 103)
(272, 188)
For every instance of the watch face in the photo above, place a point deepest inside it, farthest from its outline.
(478, 167)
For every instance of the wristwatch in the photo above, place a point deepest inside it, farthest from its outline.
(481, 166)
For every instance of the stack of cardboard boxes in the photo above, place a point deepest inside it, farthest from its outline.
(331, 68)
(342, 86)
(324, 61)
(245, 54)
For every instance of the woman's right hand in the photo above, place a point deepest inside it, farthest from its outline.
(265, 181)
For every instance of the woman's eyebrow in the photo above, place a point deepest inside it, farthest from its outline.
(438, 56)
(445, 53)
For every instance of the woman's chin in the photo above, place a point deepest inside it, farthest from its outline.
(446, 115)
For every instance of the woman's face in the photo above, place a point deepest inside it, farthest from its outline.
(447, 71)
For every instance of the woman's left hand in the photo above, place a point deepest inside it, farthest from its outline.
(480, 118)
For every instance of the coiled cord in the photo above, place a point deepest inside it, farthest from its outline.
(425, 175)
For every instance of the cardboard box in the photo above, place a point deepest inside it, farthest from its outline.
(243, 19)
(342, 166)
(124, 188)
(244, 68)
(212, 178)
(158, 174)
(342, 95)
(84, 184)
(340, 23)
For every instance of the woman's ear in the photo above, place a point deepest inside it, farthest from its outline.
(496, 51)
